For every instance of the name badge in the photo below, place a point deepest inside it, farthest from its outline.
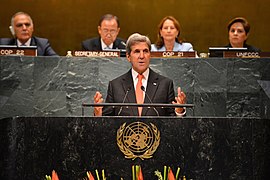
(172, 54)
(94, 53)
(18, 51)
(246, 54)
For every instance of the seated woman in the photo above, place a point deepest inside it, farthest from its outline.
(238, 29)
(168, 37)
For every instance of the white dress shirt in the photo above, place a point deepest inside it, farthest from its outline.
(24, 44)
(105, 47)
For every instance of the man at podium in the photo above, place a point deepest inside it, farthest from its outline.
(140, 85)
(22, 29)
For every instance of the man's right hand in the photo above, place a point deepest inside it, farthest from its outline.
(98, 99)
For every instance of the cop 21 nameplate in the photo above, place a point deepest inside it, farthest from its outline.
(174, 54)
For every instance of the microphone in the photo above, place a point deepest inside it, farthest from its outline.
(143, 89)
(123, 43)
(125, 97)
(123, 51)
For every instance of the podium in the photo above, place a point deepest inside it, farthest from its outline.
(44, 96)
(204, 148)
(57, 86)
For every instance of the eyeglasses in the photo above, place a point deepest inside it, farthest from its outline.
(107, 31)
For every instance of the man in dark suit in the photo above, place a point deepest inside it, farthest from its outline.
(155, 88)
(22, 29)
(108, 30)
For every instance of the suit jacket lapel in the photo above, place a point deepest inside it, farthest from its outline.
(127, 83)
(98, 45)
(33, 42)
(116, 44)
(13, 41)
(152, 85)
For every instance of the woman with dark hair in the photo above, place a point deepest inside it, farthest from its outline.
(238, 29)
(168, 38)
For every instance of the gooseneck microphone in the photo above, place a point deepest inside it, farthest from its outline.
(123, 43)
(143, 89)
(125, 97)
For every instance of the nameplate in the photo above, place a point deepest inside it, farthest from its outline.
(246, 54)
(94, 53)
(171, 54)
(18, 51)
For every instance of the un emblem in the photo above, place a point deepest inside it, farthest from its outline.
(138, 140)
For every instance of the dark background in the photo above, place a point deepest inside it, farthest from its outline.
(204, 23)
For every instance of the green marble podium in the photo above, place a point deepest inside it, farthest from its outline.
(57, 86)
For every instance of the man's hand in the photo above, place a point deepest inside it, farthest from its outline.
(180, 99)
(98, 99)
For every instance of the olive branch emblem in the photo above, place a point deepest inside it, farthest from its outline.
(138, 140)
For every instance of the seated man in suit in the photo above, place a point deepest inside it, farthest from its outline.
(22, 28)
(140, 84)
(108, 30)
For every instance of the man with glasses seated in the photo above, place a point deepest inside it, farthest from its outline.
(108, 30)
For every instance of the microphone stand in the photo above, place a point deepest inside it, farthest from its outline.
(135, 105)
(143, 89)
